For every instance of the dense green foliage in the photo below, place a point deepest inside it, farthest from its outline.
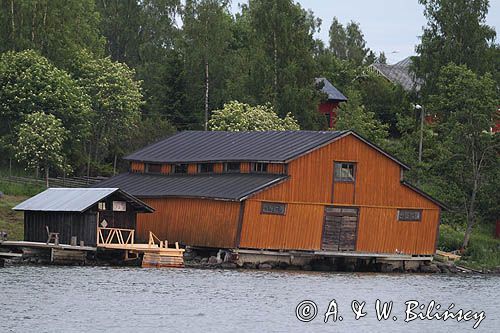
(237, 116)
(122, 74)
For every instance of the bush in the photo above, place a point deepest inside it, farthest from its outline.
(449, 238)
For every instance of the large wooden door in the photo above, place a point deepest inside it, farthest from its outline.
(340, 229)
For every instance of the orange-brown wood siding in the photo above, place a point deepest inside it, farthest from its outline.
(136, 166)
(377, 189)
(276, 168)
(192, 168)
(196, 222)
(245, 167)
(166, 168)
(218, 167)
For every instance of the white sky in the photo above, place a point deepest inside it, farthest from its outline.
(392, 26)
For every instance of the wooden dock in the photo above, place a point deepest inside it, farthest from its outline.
(156, 253)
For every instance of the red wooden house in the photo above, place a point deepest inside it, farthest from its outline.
(330, 104)
(294, 190)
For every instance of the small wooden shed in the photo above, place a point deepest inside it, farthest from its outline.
(77, 212)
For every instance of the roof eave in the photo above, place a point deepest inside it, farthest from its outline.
(428, 196)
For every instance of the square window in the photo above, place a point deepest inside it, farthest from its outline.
(180, 168)
(232, 167)
(345, 172)
(274, 208)
(259, 167)
(153, 168)
(205, 167)
(409, 215)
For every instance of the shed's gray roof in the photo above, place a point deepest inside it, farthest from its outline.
(233, 187)
(399, 73)
(218, 146)
(329, 89)
(74, 200)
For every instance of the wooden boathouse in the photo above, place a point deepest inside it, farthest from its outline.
(66, 224)
(325, 192)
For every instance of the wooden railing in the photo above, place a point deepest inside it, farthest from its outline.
(161, 244)
(115, 236)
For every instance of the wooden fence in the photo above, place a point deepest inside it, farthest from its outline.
(55, 182)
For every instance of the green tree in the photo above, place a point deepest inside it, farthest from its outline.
(116, 99)
(206, 38)
(338, 39)
(236, 116)
(456, 32)
(348, 43)
(352, 115)
(467, 104)
(30, 83)
(56, 28)
(40, 141)
(281, 58)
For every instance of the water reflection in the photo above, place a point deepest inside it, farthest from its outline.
(75, 299)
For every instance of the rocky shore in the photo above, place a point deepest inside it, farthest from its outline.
(430, 267)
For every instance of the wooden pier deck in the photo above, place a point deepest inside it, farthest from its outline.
(156, 253)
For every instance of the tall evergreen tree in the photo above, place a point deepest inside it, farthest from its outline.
(58, 29)
(456, 32)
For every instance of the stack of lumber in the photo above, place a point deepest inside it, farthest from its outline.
(446, 256)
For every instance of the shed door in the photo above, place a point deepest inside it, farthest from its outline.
(340, 228)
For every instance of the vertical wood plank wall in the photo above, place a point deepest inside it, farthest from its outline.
(192, 168)
(377, 192)
(245, 167)
(196, 222)
(136, 167)
(166, 168)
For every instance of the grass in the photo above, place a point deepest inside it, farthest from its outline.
(13, 193)
(11, 221)
(483, 251)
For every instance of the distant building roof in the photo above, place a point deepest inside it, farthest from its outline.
(399, 73)
(333, 93)
(219, 146)
(234, 187)
(75, 200)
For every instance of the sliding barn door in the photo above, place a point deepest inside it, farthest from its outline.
(340, 229)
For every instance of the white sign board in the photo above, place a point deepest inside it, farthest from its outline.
(119, 206)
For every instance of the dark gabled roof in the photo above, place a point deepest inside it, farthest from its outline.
(219, 146)
(76, 200)
(399, 73)
(233, 187)
(422, 193)
(329, 89)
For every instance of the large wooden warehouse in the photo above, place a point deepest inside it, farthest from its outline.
(293, 190)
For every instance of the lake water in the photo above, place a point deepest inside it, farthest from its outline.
(91, 299)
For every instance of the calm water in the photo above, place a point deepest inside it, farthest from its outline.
(89, 299)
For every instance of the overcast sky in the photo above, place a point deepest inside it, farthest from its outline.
(392, 26)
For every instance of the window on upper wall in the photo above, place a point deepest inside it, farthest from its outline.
(274, 208)
(205, 167)
(410, 215)
(345, 172)
(259, 167)
(232, 167)
(153, 168)
(180, 168)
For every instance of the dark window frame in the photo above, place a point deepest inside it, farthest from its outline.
(227, 169)
(258, 167)
(344, 165)
(206, 167)
(405, 218)
(180, 168)
(156, 166)
(273, 211)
